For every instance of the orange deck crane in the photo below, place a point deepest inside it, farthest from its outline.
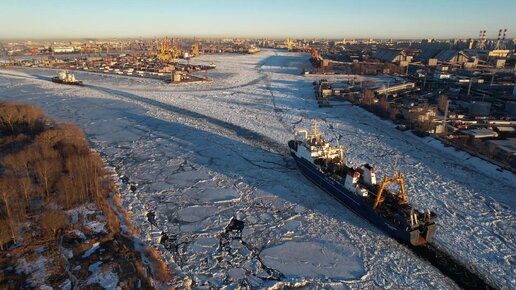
(396, 178)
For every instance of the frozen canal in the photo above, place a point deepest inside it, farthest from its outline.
(198, 155)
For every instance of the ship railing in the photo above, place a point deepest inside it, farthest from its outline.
(299, 132)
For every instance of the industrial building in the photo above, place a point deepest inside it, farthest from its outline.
(431, 55)
(504, 150)
(391, 55)
(475, 78)
(479, 108)
(63, 49)
(480, 133)
(395, 89)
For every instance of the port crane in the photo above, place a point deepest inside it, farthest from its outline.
(315, 54)
(289, 43)
(3, 50)
(195, 49)
(166, 53)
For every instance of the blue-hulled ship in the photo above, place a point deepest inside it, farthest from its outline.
(324, 165)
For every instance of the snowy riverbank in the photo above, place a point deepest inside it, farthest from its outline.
(200, 154)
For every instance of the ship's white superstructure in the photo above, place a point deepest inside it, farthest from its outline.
(314, 146)
(67, 76)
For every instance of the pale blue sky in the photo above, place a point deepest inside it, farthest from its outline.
(257, 18)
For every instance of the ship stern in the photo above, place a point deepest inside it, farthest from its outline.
(420, 236)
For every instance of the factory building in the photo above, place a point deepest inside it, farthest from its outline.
(432, 55)
(478, 108)
(63, 49)
(395, 89)
(480, 133)
(452, 56)
(498, 53)
(419, 114)
(510, 108)
(504, 149)
(391, 55)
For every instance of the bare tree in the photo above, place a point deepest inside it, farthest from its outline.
(55, 160)
(11, 163)
(53, 220)
(8, 115)
(47, 168)
(29, 115)
(5, 233)
(49, 138)
(12, 206)
(7, 193)
(67, 193)
(25, 185)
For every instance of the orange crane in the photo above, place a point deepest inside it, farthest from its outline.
(315, 53)
(396, 178)
(385, 182)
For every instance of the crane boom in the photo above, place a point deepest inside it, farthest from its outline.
(395, 179)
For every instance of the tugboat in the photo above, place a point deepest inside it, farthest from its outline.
(66, 77)
(324, 165)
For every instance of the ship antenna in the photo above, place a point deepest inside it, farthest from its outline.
(315, 128)
(394, 173)
(341, 148)
(315, 131)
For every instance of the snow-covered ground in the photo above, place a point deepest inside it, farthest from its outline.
(199, 154)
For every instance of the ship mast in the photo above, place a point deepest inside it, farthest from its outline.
(315, 134)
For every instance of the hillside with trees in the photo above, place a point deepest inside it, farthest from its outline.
(58, 205)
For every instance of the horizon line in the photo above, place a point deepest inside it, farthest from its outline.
(235, 37)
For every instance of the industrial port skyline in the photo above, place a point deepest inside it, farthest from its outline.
(330, 144)
(264, 19)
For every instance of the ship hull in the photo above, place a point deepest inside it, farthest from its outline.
(355, 203)
(60, 81)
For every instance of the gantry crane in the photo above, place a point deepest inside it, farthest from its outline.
(397, 177)
(289, 43)
(195, 49)
(166, 53)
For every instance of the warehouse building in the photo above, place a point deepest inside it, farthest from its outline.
(444, 55)
(390, 55)
(504, 150)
